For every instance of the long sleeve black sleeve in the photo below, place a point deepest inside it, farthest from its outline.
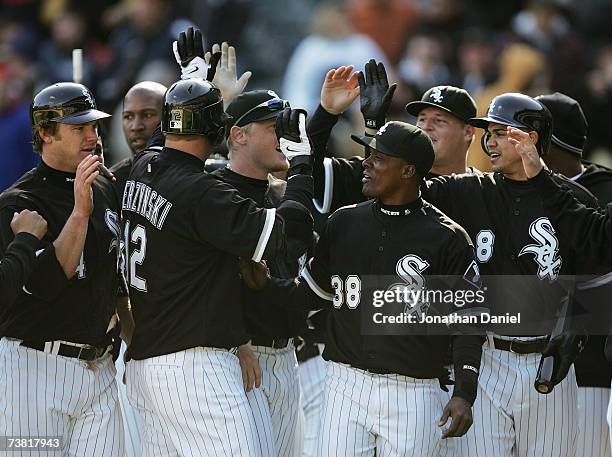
(15, 266)
(589, 230)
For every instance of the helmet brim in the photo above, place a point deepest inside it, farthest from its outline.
(82, 117)
(483, 122)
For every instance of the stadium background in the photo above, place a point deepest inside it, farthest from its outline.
(534, 47)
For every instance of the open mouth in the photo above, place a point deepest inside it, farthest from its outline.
(366, 178)
(494, 155)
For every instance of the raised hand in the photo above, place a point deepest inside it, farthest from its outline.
(339, 90)
(291, 133)
(225, 77)
(189, 54)
(524, 145)
(375, 94)
(86, 173)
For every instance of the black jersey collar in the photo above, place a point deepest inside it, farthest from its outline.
(258, 183)
(174, 155)
(400, 210)
(62, 178)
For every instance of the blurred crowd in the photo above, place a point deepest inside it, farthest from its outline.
(529, 46)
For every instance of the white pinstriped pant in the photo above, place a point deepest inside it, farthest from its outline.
(593, 434)
(45, 395)
(276, 404)
(312, 383)
(512, 419)
(192, 404)
(132, 423)
(367, 414)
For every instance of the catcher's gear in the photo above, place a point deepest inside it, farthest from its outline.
(375, 94)
(66, 103)
(194, 107)
(521, 112)
(291, 133)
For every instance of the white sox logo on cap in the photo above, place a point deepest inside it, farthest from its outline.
(436, 95)
(383, 128)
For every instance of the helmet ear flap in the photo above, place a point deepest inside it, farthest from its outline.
(484, 140)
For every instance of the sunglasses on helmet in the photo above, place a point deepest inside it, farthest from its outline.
(273, 105)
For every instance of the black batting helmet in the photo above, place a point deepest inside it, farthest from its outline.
(66, 103)
(519, 111)
(194, 107)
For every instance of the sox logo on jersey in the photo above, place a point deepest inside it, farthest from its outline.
(410, 268)
(546, 251)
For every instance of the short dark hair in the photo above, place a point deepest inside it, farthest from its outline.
(48, 126)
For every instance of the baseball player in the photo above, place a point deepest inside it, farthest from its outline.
(593, 371)
(254, 154)
(183, 230)
(513, 236)
(142, 107)
(57, 370)
(442, 113)
(28, 227)
(382, 393)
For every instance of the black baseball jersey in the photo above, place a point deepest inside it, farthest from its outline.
(15, 266)
(337, 181)
(51, 307)
(265, 320)
(592, 368)
(512, 234)
(184, 229)
(408, 244)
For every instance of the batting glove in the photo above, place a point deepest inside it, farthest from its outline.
(375, 94)
(189, 54)
(291, 133)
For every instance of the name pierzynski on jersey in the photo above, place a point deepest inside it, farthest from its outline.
(140, 198)
(546, 251)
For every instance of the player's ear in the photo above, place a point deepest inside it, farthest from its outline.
(534, 136)
(470, 130)
(238, 135)
(45, 135)
(408, 171)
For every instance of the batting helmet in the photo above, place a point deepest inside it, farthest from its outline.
(67, 103)
(194, 107)
(521, 112)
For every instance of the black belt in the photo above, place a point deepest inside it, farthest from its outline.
(274, 343)
(306, 352)
(86, 353)
(521, 347)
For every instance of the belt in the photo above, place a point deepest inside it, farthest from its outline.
(306, 352)
(275, 343)
(521, 347)
(73, 350)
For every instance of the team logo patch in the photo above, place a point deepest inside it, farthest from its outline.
(410, 269)
(436, 95)
(546, 250)
(176, 119)
(383, 128)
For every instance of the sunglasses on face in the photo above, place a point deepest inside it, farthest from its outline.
(273, 105)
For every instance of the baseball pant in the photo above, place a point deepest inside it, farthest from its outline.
(192, 404)
(593, 436)
(367, 414)
(47, 395)
(312, 382)
(511, 418)
(132, 423)
(278, 399)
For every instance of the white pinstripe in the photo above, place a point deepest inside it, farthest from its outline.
(593, 436)
(312, 383)
(192, 404)
(367, 414)
(512, 419)
(278, 398)
(132, 423)
(49, 395)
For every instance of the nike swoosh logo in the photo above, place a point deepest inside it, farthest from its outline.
(293, 150)
(193, 70)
